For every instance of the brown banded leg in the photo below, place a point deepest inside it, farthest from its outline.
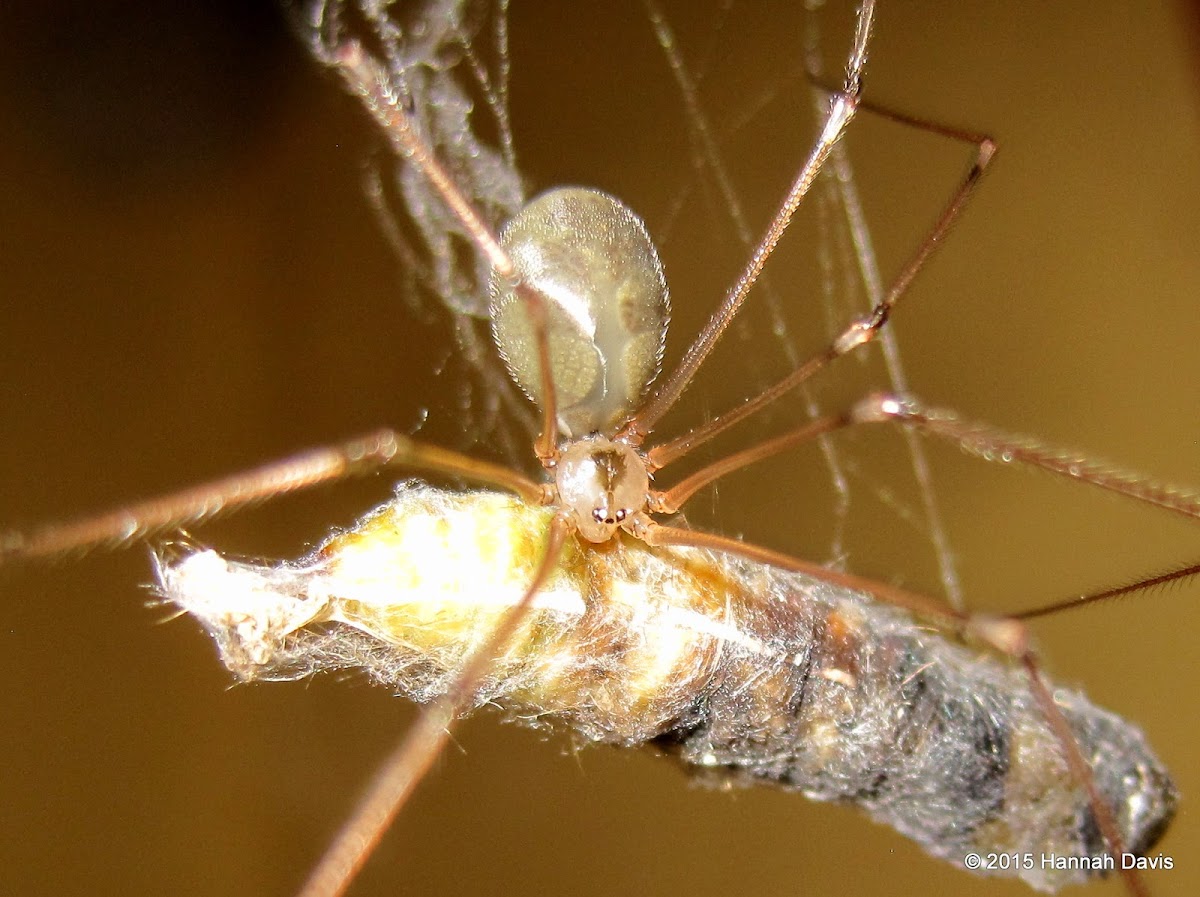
(355, 457)
(1179, 574)
(709, 162)
(370, 82)
(411, 759)
(707, 153)
(995, 445)
(858, 333)
(841, 111)
(982, 440)
(864, 252)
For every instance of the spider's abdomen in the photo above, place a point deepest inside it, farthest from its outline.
(592, 260)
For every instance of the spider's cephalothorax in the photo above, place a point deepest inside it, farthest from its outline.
(603, 484)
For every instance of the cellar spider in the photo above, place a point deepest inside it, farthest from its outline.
(779, 828)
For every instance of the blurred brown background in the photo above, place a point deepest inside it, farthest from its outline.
(191, 284)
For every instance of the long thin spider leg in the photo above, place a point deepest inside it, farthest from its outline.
(1081, 771)
(707, 156)
(840, 113)
(1141, 585)
(369, 82)
(355, 457)
(982, 440)
(846, 187)
(903, 118)
(993, 444)
(365, 78)
(859, 333)
(1007, 635)
(671, 500)
(657, 534)
(404, 768)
